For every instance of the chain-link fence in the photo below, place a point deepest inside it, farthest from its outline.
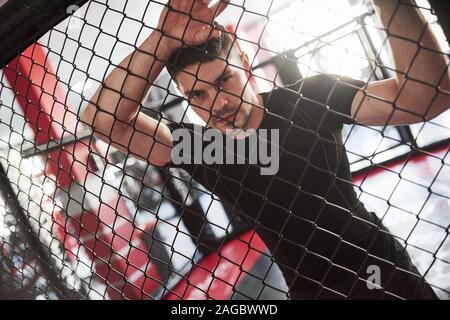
(342, 192)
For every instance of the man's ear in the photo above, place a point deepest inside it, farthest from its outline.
(245, 62)
(246, 66)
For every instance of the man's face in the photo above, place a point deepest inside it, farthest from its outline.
(219, 92)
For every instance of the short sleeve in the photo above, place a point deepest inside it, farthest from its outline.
(329, 98)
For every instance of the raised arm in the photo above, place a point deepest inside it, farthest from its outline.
(420, 90)
(113, 113)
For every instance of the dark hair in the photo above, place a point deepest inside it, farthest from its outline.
(208, 51)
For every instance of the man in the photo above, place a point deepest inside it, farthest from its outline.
(320, 235)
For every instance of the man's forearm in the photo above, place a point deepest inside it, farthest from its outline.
(419, 63)
(121, 92)
(415, 49)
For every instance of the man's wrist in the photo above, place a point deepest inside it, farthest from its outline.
(166, 42)
(160, 46)
(169, 43)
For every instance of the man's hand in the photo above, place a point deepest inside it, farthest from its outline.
(190, 22)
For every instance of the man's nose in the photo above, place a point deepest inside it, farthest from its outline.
(220, 103)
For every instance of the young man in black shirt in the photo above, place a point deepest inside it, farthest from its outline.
(325, 242)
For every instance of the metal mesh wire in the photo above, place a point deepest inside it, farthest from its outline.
(81, 220)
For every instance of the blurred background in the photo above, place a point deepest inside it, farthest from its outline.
(80, 220)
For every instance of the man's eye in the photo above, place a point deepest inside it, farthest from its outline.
(196, 95)
(225, 79)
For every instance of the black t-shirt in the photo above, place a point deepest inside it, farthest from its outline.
(308, 213)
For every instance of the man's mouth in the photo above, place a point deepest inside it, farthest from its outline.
(226, 119)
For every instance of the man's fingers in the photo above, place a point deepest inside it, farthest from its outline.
(219, 6)
(202, 35)
(216, 33)
(210, 3)
(205, 33)
(216, 6)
